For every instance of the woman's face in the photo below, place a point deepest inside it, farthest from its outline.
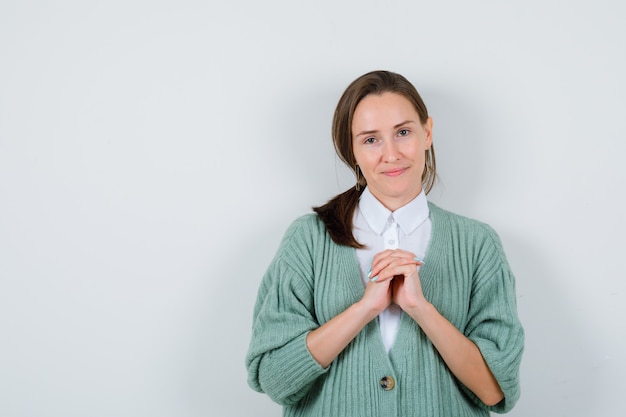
(389, 144)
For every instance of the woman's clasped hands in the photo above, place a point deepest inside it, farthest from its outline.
(394, 277)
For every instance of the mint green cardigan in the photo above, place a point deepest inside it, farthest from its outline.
(312, 279)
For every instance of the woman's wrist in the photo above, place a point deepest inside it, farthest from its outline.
(421, 311)
(366, 311)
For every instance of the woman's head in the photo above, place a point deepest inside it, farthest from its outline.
(377, 83)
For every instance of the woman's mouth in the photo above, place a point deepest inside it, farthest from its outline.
(394, 172)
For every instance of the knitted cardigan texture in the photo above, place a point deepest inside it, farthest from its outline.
(312, 279)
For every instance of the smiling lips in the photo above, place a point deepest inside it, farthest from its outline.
(395, 172)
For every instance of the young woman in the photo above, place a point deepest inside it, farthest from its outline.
(381, 303)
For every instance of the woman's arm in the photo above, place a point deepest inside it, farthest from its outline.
(327, 341)
(460, 354)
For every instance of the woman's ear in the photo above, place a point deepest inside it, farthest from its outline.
(428, 127)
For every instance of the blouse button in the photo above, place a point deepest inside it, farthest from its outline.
(387, 383)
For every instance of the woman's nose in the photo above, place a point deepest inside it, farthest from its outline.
(391, 152)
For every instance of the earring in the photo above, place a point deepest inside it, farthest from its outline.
(356, 172)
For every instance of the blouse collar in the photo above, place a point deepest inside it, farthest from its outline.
(408, 217)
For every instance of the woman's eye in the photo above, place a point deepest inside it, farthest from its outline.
(369, 140)
(403, 132)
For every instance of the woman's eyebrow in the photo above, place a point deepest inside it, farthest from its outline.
(366, 132)
(369, 132)
(403, 123)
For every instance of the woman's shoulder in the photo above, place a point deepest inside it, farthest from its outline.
(303, 241)
(459, 223)
(305, 230)
(469, 232)
(309, 223)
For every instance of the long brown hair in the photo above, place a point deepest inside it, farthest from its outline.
(337, 214)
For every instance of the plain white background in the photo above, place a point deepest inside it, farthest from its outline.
(152, 154)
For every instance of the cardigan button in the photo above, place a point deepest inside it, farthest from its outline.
(387, 383)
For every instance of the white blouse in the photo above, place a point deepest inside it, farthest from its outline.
(407, 228)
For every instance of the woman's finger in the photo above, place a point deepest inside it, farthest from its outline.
(388, 268)
(390, 254)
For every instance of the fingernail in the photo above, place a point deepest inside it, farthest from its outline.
(420, 260)
(369, 272)
(374, 279)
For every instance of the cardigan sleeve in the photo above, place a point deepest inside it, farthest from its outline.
(493, 323)
(278, 360)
